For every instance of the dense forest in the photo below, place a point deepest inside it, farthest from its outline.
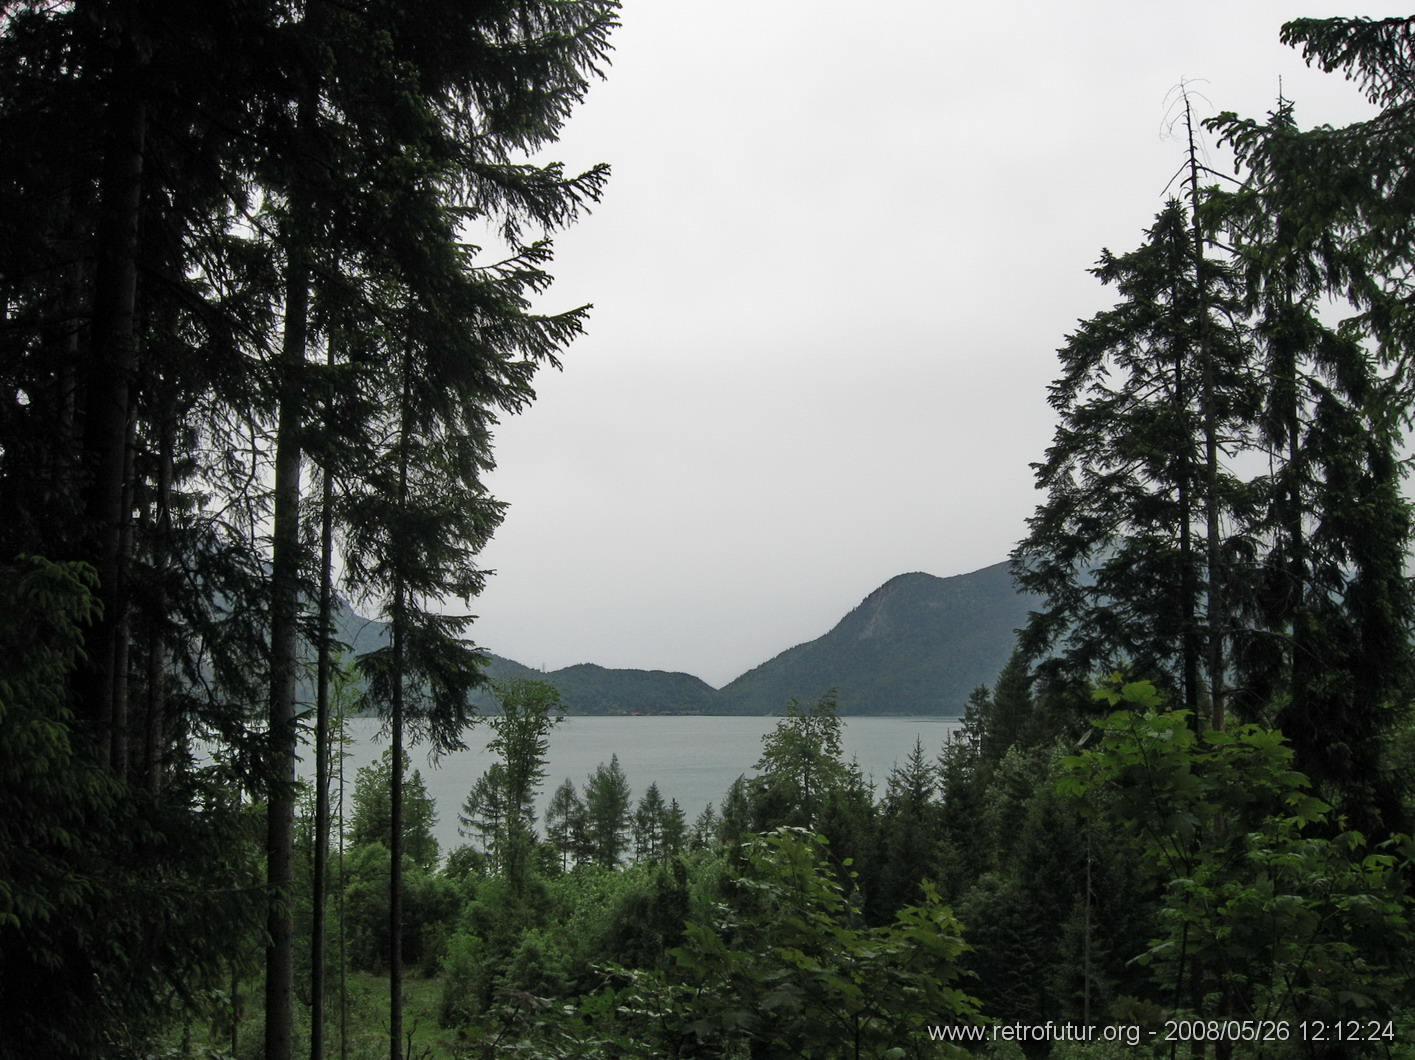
(268, 277)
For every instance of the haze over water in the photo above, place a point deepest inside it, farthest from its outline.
(693, 758)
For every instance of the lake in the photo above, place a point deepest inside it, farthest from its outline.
(693, 758)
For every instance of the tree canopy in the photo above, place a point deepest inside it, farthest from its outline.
(202, 199)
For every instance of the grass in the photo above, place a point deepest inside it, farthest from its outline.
(424, 1039)
(366, 1037)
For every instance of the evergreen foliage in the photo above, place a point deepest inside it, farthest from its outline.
(1116, 548)
(1225, 514)
(1333, 590)
(801, 762)
(608, 800)
(500, 809)
(565, 824)
(208, 195)
(371, 819)
(123, 917)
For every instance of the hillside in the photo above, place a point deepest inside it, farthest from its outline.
(590, 689)
(918, 644)
(585, 688)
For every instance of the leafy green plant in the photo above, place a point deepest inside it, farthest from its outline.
(796, 971)
(1271, 910)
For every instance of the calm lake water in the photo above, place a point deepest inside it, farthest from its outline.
(692, 758)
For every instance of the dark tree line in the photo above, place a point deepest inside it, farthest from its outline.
(241, 242)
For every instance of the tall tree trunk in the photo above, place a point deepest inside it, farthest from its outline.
(63, 350)
(155, 720)
(1290, 524)
(123, 633)
(285, 565)
(395, 852)
(111, 359)
(1213, 530)
(343, 935)
(395, 793)
(284, 647)
(321, 760)
(1188, 587)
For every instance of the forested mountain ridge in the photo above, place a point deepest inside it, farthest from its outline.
(919, 644)
(591, 689)
(586, 688)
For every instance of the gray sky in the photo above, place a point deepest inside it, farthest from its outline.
(840, 247)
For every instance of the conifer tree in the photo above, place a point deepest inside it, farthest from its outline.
(462, 342)
(565, 824)
(500, 808)
(649, 822)
(734, 821)
(675, 829)
(529, 710)
(1153, 392)
(371, 817)
(166, 271)
(801, 764)
(484, 812)
(1334, 607)
(705, 828)
(116, 323)
(608, 803)
(1005, 716)
(906, 838)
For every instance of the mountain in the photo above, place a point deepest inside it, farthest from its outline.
(590, 689)
(584, 688)
(918, 644)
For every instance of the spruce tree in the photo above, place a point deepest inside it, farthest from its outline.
(484, 815)
(500, 809)
(801, 765)
(165, 273)
(113, 290)
(649, 825)
(453, 341)
(675, 829)
(565, 825)
(608, 803)
(1155, 399)
(1312, 227)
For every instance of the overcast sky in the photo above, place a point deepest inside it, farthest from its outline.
(841, 245)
